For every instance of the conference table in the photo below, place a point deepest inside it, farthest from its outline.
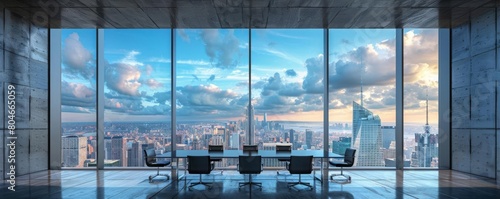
(263, 153)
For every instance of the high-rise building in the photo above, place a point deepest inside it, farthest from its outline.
(367, 137)
(74, 151)
(426, 147)
(250, 126)
(217, 140)
(292, 139)
(341, 145)
(116, 149)
(309, 137)
(388, 135)
(265, 124)
(135, 155)
(235, 141)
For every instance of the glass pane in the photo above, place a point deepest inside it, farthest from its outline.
(78, 97)
(421, 97)
(137, 90)
(362, 110)
(287, 87)
(212, 89)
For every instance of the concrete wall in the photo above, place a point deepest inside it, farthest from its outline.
(24, 54)
(474, 88)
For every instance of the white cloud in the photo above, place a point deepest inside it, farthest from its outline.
(193, 62)
(222, 49)
(76, 57)
(123, 78)
(130, 59)
(159, 60)
(154, 84)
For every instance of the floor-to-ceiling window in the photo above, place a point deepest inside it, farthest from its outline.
(362, 94)
(212, 91)
(287, 88)
(78, 97)
(137, 86)
(214, 104)
(420, 97)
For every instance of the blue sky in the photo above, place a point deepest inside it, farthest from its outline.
(213, 73)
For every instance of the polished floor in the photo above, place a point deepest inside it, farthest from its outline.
(369, 184)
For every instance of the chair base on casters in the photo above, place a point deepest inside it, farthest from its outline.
(347, 179)
(257, 184)
(151, 177)
(250, 183)
(294, 184)
(206, 184)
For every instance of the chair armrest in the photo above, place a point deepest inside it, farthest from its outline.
(262, 167)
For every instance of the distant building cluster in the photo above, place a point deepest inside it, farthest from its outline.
(124, 142)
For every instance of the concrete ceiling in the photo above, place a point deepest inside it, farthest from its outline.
(249, 13)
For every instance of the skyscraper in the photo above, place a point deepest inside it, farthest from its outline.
(235, 141)
(427, 145)
(250, 126)
(367, 137)
(309, 137)
(74, 151)
(119, 150)
(388, 135)
(135, 155)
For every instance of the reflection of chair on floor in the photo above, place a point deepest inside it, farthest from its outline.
(216, 149)
(200, 165)
(151, 161)
(282, 148)
(250, 165)
(348, 162)
(300, 165)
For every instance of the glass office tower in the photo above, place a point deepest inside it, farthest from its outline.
(367, 137)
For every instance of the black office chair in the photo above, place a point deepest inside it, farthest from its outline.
(250, 165)
(283, 149)
(300, 165)
(348, 162)
(151, 161)
(200, 165)
(250, 148)
(216, 149)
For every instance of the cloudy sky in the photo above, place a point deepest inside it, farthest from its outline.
(212, 74)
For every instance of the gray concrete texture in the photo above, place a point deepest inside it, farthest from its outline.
(24, 50)
(474, 94)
